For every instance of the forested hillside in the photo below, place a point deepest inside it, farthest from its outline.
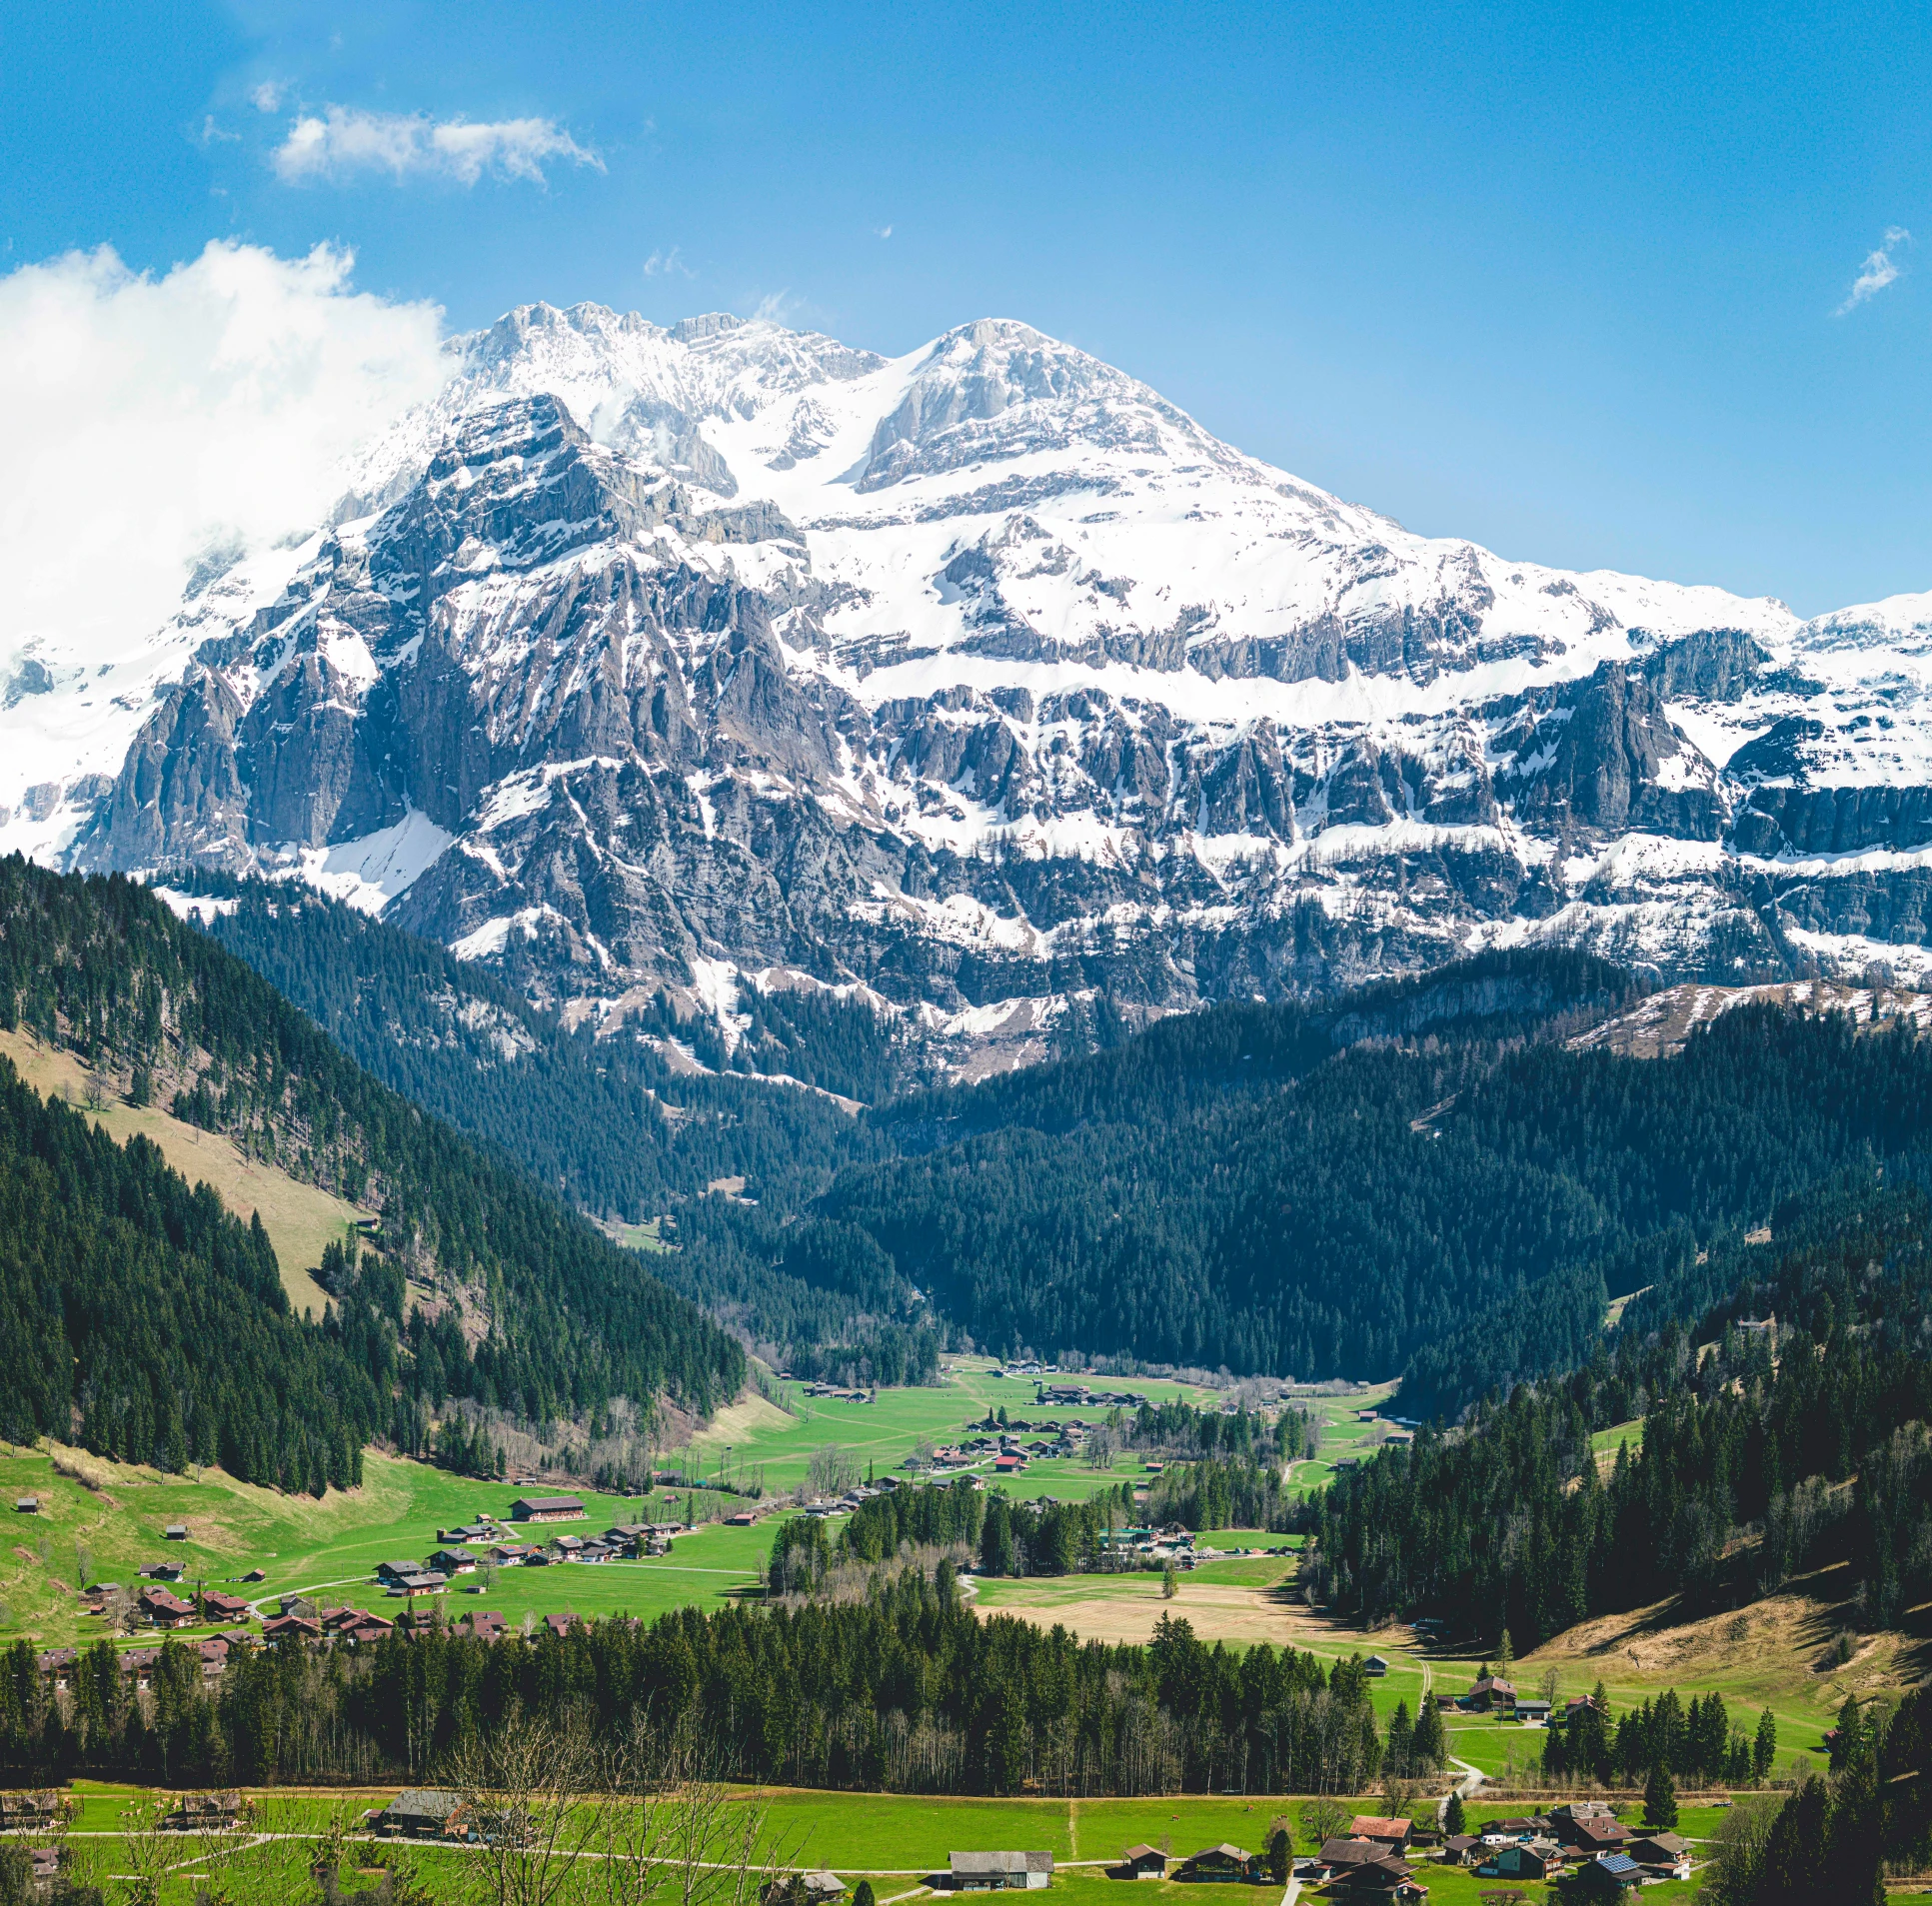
(610, 1122)
(529, 1309)
(139, 1308)
(1739, 1480)
(1232, 1189)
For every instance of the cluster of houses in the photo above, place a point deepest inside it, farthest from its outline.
(1493, 1695)
(1584, 1839)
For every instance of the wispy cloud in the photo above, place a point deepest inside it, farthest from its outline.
(267, 97)
(1879, 270)
(776, 306)
(668, 264)
(343, 141)
(882, 231)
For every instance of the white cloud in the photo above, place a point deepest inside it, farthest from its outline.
(152, 418)
(667, 264)
(776, 306)
(884, 231)
(1879, 270)
(267, 97)
(344, 140)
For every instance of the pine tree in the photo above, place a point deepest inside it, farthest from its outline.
(1764, 1747)
(1660, 1800)
(1452, 1813)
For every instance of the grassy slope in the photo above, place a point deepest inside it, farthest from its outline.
(299, 1218)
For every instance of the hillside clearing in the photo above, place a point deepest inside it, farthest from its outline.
(299, 1218)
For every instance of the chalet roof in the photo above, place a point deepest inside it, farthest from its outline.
(1373, 1826)
(540, 1503)
(1351, 1852)
(1143, 1852)
(425, 1803)
(1029, 1862)
(1673, 1844)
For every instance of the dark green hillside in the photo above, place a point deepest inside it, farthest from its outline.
(1231, 1190)
(1734, 1488)
(141, 1309)
(103, 968)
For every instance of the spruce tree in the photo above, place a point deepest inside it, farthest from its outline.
(1764, 1747)
(1453, 1820)
(1660, 1800)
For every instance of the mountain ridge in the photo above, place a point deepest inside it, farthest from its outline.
(666, 661)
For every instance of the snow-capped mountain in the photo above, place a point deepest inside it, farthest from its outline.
(981, 679)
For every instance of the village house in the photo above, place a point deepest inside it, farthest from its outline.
(998, 1872)
(424, 1813)
(1462, 1849)
(57, 1664)
(163, 1610)
(1534, 1712)
(1517, 1863)
(1375, 1666)
(817, 1888)
(1395, 1834)
(295, 1628)
(561, 1624)
(1145, 1863)
(546, 1508)
(33, 1812)
(452, 1562)
(138, 1665)
(162, 1571)
(1667, 1855)
(1491, 1692)
(1610, 1876)
(1340, 1856)
(203, 1813)
(220, 1608)
(484, 1625)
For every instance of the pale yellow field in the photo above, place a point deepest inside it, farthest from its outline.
(299, 1218)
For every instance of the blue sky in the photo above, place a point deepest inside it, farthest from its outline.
(1576, 282)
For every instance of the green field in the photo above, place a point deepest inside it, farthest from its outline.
(329, 1549)
(890, 1837)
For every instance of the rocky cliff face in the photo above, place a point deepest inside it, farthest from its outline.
(987, 683)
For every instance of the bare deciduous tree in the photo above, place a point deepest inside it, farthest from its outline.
(539, 1797)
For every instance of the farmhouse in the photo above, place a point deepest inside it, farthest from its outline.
(32, 1810)
(164, 1610)
(1517, 1863)
(1609, 1877)
(225, 1607)
(1490, 1692)
(546, 1508)
(1343, 1855)
(1375, 1666)
(998, 1872)
(424, 1813)
(453, 1561)
(1144, 1862)
(1392, 1834)
(291, 1628)
(203, 1813)
(1664, 1854)
(1225, 1862)
(803, 1889)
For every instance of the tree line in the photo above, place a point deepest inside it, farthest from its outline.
(904, 1690)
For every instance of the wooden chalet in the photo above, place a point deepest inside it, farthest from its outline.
(1394, 1833)
(425, 1813)
(1518, 1863)
(1665, 1854)
(1491, 1692)
(221, 1607)
(1225, 1863)
(1610, 1876)
(1143, 1863)
(203, 1813)
(817, 1888)
(163, 1610)
(546, 1508)
(35, 1811)
(291, 1628)
(998, 1872)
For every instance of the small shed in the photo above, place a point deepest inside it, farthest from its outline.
(1375, 1666)
(175, 1532)
(26, 1506)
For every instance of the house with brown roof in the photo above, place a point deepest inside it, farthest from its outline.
(291, 1628)
(1395, 1833)
(1143, 1863)
(1667, 1855)
(424, 1813)
(561, 1624)
(1223, 1863)
(1492, 1691)
(546, 1508)
(203, 1813)
(164, 1610)
(220, 1608)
